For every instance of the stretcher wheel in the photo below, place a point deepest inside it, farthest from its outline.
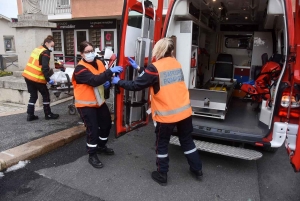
(72, 110)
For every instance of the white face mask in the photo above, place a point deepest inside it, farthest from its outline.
(89, 57)
(51, 49)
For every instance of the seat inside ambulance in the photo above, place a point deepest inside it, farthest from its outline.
(224, 66)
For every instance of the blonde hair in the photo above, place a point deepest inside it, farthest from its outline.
(163, 48)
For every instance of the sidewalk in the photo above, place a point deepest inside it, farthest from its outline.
(11, 108)
(22, 140)
(14, 108)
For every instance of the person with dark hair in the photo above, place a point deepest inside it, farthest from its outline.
(170, 106)
(37, 74)
(89, 80)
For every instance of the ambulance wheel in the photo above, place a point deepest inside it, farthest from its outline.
(72, 110)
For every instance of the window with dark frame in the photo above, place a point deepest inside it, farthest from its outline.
(63, 3)
(238, 42)
(9, 44)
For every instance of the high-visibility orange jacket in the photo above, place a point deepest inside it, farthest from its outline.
(84, 94)
(33, 69)
(172, 103)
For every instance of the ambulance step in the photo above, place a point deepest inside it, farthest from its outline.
(225, 150)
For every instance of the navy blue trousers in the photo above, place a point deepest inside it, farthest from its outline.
(163, 133)
(98, 124)
(33, 89)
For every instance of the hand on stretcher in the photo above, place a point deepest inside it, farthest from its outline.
(51, 82)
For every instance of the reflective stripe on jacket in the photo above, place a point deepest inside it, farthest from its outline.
(172, 103)
(33, 69)
(84, 94)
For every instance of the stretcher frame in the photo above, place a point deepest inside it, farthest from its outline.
(66, 87)
(212, 103)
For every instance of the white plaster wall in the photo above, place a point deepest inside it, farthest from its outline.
(30, 38)
(266, 46)
(5, 30)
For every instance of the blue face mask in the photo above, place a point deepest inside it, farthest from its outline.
(89, 57)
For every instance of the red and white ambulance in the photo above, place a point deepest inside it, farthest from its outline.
(241, 64)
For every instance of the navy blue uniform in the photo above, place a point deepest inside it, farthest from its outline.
(35, 87)
(150, 77)
(96, 119)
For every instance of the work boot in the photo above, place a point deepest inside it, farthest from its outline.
(105, 150)
(94, 161)
(198, 174)
(160, 177)
(31, 117)
(51, 116)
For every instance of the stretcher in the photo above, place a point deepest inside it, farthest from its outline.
(63, 83)
(219, 86)
(212, 99)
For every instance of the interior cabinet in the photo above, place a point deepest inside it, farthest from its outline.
(193, 66)
(187, 34)
(241, 74)
(204, 41)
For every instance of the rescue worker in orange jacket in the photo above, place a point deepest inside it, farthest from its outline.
(170, 106)
(89, 80)
(37, 74)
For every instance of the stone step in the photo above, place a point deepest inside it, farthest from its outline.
(13, 82)
(17, 73)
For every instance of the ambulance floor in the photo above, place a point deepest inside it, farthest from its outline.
(241, 117)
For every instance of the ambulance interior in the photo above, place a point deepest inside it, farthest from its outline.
(222, 44)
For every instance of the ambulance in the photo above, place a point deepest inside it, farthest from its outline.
(240, 64)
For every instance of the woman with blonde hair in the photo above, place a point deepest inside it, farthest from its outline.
(170, 106)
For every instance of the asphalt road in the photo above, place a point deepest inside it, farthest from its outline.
(65, 174)
(16, 130)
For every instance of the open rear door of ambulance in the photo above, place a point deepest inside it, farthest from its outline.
(140, 29)
(292, 142)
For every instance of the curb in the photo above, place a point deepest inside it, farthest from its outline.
(39, 147)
